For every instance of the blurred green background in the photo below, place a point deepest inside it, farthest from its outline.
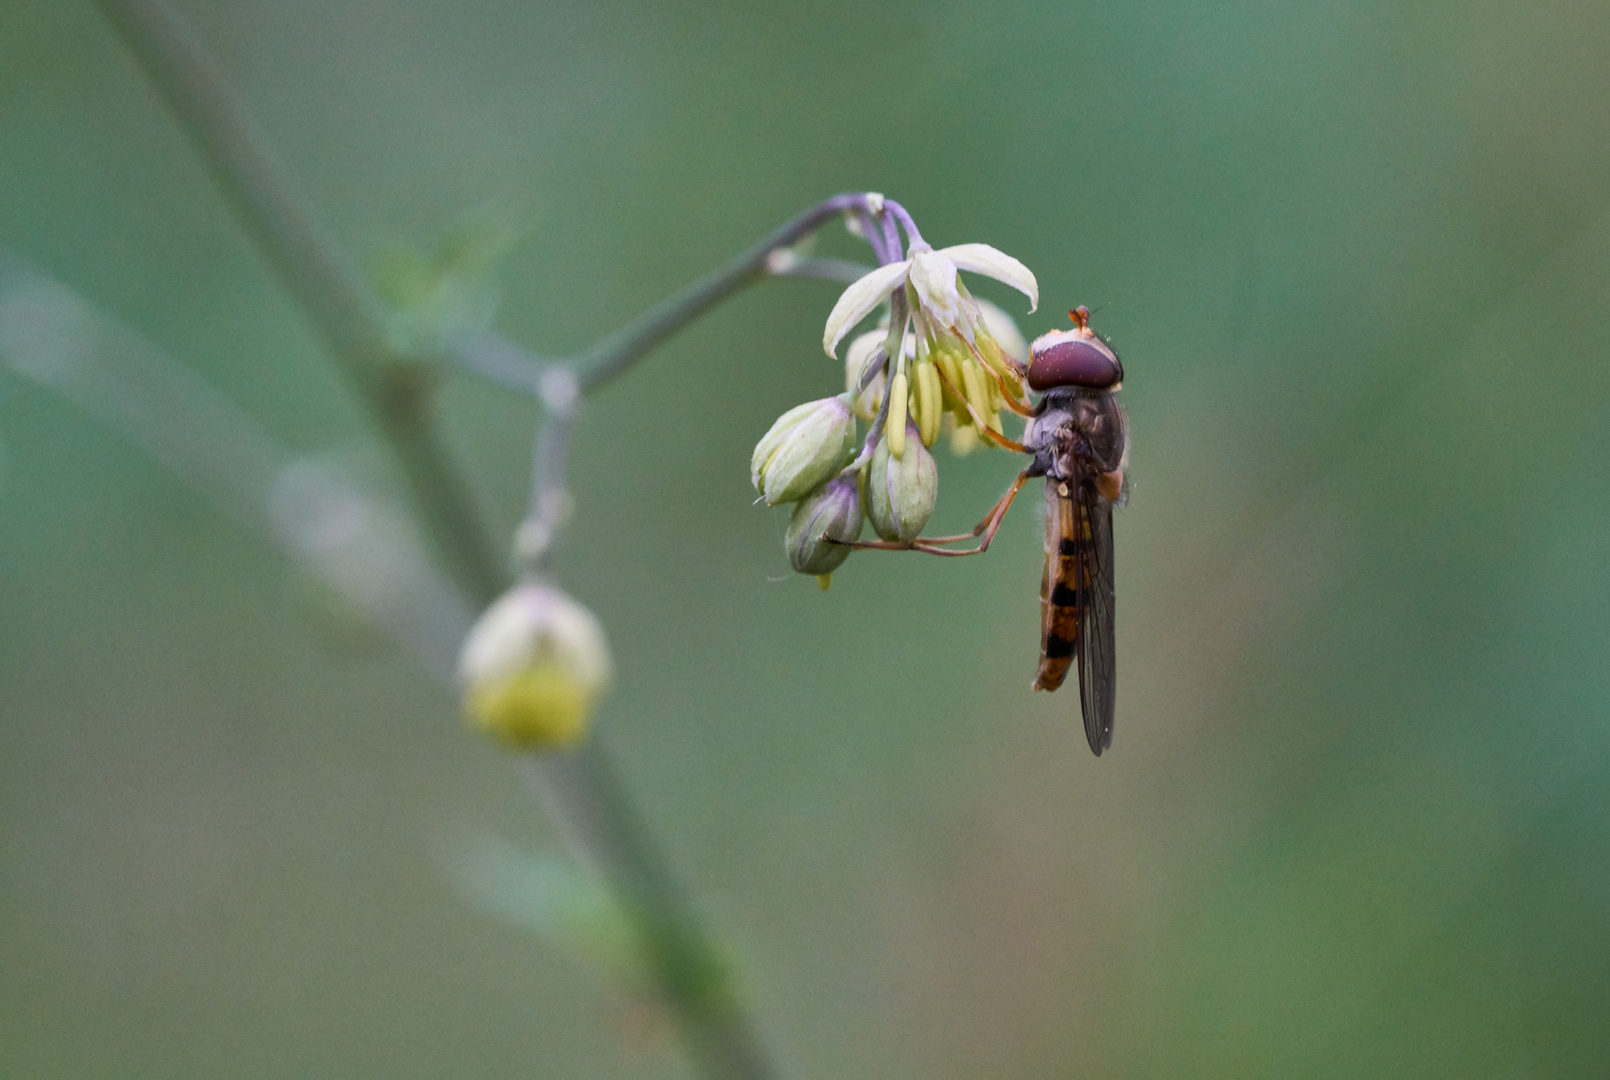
(1356, 818)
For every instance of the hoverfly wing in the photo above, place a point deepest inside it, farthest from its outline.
(1096, 643)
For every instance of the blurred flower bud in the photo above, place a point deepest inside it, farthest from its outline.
(806, 446)
(533, 667)
(856, 357)
(963, 437)
(831, 512)
(1003, 328)
(900, 491)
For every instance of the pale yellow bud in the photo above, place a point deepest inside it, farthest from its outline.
(533, 668)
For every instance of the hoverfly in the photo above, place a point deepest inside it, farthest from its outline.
(1079, 441)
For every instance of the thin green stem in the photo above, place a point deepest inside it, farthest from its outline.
(718, 1032)
(677, 953)
(312, 266)
(617, 352)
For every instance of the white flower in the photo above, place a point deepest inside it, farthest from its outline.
(932, 276)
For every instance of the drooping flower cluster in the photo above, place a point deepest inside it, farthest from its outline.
(938, 360)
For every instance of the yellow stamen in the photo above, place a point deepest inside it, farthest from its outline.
(895, 427)
(929, 410)
(973, 386)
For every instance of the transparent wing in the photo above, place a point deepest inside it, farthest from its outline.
(1096, 643)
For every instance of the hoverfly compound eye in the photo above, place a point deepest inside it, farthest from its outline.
(1073, 358)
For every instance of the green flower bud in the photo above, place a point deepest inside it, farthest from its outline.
(806, 446)
(831, 512)
(533, 667)
(900, 491)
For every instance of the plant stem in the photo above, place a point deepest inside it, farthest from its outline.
(845, 270)
(617, 352)
(549, 506)
(898, 213)
(342, 308)
(676, 950)
(351, 320)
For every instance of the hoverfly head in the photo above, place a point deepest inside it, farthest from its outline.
(1075, 358)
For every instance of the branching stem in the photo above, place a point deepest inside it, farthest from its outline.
(395, 387)
(342, 308)
(617, 352)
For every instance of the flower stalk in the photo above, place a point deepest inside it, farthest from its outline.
(396, 388)
(537, 664)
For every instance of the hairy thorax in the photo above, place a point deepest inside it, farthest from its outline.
(1078, 435)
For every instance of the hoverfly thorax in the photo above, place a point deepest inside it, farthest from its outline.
(1080, 435)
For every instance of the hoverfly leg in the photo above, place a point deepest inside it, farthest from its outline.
(987, 527)
(1014, 404)
(871, 545)
(984, 430)
(1000, 440)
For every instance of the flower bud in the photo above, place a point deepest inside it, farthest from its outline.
(807, 445)
(963, 438)
(900, 491)
(831, 512)
(533, 667)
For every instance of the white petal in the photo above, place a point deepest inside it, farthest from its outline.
(859, 300)
(934, 276)
(983, 259)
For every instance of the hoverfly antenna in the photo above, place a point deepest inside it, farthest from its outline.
(1081, 317)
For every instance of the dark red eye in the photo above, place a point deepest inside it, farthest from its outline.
(1074, 363)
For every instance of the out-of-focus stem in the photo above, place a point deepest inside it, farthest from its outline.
(351, 320)
(845, 270)
(342, 308)
(589, 801)
(560, 393)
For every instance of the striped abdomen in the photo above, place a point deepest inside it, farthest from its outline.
(1060, 586)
